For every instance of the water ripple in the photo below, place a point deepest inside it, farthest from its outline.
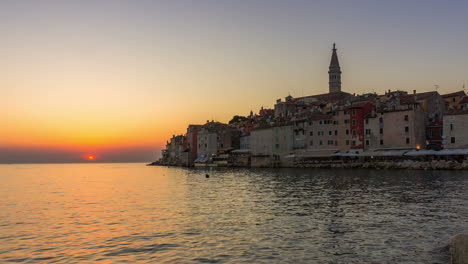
(137, 214)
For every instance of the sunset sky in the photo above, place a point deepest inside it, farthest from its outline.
(116, 79)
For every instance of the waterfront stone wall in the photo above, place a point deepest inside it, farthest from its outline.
(406, 164)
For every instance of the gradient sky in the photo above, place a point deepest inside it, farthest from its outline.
(117, 78)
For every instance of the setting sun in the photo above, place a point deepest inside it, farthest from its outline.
(90, 157)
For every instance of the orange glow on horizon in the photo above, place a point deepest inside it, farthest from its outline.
(90, 157)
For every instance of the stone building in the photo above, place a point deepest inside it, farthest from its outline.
(359, 113)
(455, 129)
(173, 153)
(328, 131)
(321, 133)
(245, 142)
(334, 73)
(399, 129)
(432, 104)
(320, 102)
(261, 141)
(191, 140)
(214, 137)
(283, 140)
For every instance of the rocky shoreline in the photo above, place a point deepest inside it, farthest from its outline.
(406, 164)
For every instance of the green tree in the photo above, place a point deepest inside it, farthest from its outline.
(237, 118)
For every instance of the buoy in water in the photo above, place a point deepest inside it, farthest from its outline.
(207, 176)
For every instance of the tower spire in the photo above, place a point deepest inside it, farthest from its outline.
(334, 73)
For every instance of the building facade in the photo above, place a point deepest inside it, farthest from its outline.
(399, 129)
(455, 129)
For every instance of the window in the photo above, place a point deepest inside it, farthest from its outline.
(454, 99)
(430, 133)
(367, 121)
(329, 133)
(320, 122)
(354, 132)
(310, 123)
(380, 120)
(451, 127)
(368, 131)
(452, 140)
(347, 142)
(320, 143)
(406, 129)
(276, 145)
(346, 121)
(406, 117)
(336, 143)
(336, 132)
(347, 131)
(353, 112)
(354, 122)
(311, 143)
(311, 133)
(367, 142)
(222, 145)
(345, 112)
(354, 142)
(407, 140)
(441, 132)
(381, 131)
(205, 145)
(381, 142)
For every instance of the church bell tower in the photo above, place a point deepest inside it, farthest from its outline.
(334, 73)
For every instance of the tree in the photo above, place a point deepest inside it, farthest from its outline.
(237, 118)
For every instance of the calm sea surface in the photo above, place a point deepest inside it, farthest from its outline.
(128, 213)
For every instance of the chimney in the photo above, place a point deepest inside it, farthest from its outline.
(414, 91)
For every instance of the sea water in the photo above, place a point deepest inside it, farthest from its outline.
(130, 213)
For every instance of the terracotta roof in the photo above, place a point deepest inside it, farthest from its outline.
(459, 93)
(413, 98)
